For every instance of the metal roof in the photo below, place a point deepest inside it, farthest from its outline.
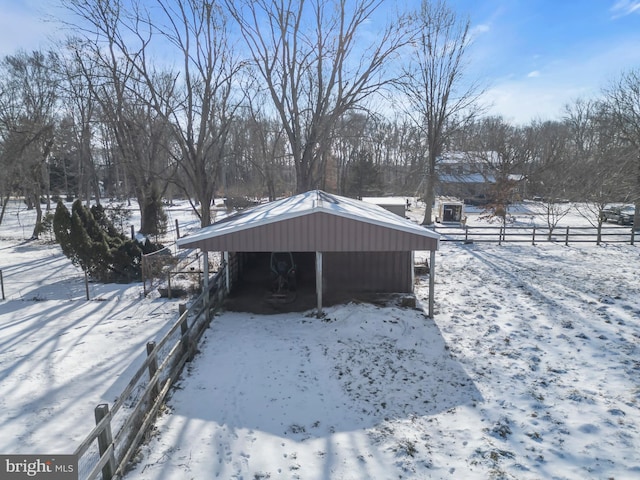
(313, 221)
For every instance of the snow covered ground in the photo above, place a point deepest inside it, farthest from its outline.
(529, 370)
(61, 355)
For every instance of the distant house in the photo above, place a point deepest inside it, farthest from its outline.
(465, 175)
(470, 176)
(343, 247)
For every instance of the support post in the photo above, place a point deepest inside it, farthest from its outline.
(227, 271)
(177, 229)
(566, 238)
(205, 283)
(2, 280)
(153, 367)
(105, 439)
(533, 238)
(319, 281)
(86, 284)
(133, 232)
(413, 271)
(432, 281)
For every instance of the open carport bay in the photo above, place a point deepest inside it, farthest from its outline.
(253, 289)
(361, 276)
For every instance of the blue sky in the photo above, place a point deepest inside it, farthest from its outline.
(533, 56)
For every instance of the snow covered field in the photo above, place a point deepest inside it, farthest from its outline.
(61, 355)
(529, 370)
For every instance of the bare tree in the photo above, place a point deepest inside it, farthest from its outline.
(550, 170)
(595, 159)
(505, 154)
(80, 105)
(202, 107)
(623, 102)
(196, 101)
(266, 147)
(137, 136)
(310, 56)
(27, 121)
(108, 59)
(433, 84)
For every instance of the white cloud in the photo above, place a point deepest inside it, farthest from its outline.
(520, 103)
(479, 30)
(625, 7)
(533, 95)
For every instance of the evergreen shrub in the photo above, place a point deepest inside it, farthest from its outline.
(90, 240)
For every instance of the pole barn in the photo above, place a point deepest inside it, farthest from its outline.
(350, 246)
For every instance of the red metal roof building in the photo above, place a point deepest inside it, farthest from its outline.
(358, 246)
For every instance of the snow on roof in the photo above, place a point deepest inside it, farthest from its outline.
(469, 157)
(467, 178)
(386, 200)
(305, 204)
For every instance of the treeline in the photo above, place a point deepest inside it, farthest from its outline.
(194, 99)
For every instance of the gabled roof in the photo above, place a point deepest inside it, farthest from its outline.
(466, 178)
(313, 221)
(469, 158)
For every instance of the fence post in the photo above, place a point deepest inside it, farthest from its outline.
(86, 285)
(105, 439)
(466, 233)
(177, 229)
(500, 236)
(182, 307)
(633, 233)
(533, 237)
(144, 275)
(153, 367)
(566, 238)
(2, 281)
(169, 284)
(133, 232)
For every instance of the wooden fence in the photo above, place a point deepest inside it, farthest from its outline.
(534, 235)
(107, 455)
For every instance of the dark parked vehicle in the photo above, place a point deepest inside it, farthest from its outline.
(622, 215)
(626, 215)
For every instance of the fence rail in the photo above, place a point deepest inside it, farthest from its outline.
(535, 234)
(132, 414)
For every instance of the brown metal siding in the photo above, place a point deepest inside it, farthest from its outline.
(380, 272)
(318, 231)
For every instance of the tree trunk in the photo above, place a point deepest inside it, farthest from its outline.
(4, 206)
(429, 191)
(38, 226)
(205, 212)
(152, 221)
